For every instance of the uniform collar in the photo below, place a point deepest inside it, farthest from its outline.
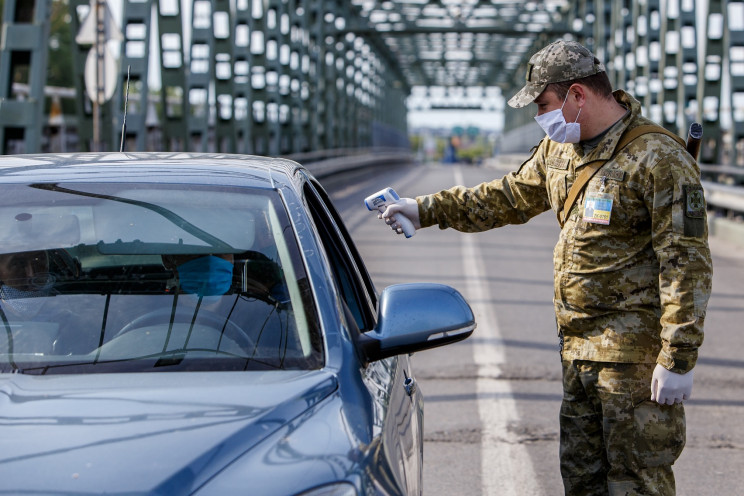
(606, 145)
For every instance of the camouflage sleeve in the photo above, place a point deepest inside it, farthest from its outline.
(513, 199)
(679, 233)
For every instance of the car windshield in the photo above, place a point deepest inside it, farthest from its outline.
(108, 277)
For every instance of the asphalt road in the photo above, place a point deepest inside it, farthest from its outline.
(492, 401)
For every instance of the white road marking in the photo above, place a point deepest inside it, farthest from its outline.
(506, 466)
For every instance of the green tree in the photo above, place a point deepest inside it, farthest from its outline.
(60, 44)
(61, 41)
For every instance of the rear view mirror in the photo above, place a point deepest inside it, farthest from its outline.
(30, 229)
(416, 317)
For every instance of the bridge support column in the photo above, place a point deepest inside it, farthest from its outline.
(23, 60)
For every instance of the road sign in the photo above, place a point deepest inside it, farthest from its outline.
(109, 79)
(89, 30)
(101, 69)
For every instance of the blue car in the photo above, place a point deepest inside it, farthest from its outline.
(177, 324)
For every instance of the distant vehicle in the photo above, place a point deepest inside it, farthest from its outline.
(201, 324)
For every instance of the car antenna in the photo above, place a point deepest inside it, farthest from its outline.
(126, 104)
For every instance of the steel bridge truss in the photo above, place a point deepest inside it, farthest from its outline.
(264, 76)
(652, 49)
(285, 76)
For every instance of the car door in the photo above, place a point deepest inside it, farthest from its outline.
(390, 380)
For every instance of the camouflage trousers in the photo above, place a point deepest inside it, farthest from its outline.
(614, 440)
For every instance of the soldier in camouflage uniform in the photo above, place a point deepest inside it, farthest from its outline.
(632, 270)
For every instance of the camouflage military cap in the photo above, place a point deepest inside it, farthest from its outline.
(557, 62)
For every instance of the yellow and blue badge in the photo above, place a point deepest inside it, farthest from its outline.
(598, 208)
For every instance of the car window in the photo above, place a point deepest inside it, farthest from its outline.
(349, 272)
(151, 277)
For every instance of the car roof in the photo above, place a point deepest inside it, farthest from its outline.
(152, 167)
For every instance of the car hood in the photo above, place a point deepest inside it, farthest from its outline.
(156, 433)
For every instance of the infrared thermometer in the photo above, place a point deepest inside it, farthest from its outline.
(380, 200)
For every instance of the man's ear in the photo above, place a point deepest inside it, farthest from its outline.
(579, 93)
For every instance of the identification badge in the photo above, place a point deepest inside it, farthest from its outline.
(598, 208)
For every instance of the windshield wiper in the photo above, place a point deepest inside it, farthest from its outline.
(213, 241)
(162, 360)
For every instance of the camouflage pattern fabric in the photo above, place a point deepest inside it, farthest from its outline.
(560, 61)
(634, 290)
(614, 439)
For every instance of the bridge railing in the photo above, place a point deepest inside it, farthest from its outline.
(324, 163)
(724, 190)
(724, 197)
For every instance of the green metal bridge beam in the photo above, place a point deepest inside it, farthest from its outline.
(200, 76)
(710, 82)
(299, 129)
(135, 49)
(410, 29)
(223, 61)
(735, 47)
(173, 97)
(23, 59)
(243, 89)
(669, 67)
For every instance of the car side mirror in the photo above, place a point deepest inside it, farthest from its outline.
(415, 317)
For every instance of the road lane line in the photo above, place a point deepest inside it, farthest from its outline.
(506, 467)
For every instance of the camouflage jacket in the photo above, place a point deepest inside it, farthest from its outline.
(634, 290)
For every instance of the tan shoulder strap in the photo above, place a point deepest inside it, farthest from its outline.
(589, 170)
(631, 134)
(584, 176)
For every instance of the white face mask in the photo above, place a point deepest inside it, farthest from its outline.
(556, 127)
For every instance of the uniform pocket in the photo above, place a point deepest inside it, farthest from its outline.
(659, 433)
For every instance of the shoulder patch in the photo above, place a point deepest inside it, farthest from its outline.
(557, 163)
(694, 201)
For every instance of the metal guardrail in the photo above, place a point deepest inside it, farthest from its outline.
(724, 188)
(324, 163)
(724, 197)
(724, 174)
(725, 194)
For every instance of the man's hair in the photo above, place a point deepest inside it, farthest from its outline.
(599, 84)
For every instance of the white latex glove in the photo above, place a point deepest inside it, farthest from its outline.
(669, 387)
(404, 206)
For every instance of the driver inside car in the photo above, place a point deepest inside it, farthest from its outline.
(36, 317)
(202, 275)
(31, 320)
